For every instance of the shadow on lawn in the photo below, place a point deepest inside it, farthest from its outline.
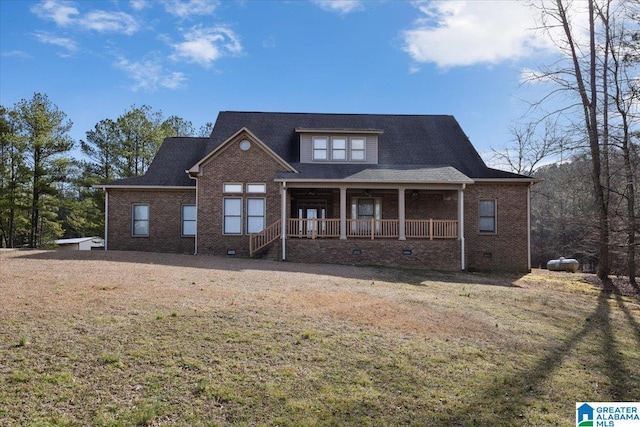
(412, 276)
(529, 383)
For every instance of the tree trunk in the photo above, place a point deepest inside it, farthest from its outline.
(35, 213)
(590, 110)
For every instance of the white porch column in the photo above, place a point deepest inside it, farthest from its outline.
(195, 238)
(283, 215)
(401, 214)
(343, 213)
(461, 226)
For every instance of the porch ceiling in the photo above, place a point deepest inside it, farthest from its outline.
(388, 174)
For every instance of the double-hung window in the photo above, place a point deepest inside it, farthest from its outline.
(188, 220)
(320, 148)
(255, 214)
(140, 220)
(487, 221)
(357, 149)
(339, 148)
(232, 221)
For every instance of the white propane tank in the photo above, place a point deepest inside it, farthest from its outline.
(569, 265)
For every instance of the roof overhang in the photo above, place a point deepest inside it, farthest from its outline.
(401, 175)
(377, 185)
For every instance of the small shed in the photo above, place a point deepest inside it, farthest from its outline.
(80, 244)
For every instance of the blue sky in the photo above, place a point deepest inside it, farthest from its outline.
(95, 59)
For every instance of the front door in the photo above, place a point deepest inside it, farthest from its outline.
(311, 213)
(311, 210)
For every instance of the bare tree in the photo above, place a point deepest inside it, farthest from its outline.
(598, 45)
(531, 149)
(623, 47)
(580, 76)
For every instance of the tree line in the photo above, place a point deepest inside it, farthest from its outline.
(46, 193)
(587, 122)
(580, 139)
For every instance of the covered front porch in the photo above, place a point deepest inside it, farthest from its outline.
(419, 217)
(351, 213)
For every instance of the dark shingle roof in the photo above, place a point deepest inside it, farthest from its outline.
(409, 147)
(406, 139)
(174, 157)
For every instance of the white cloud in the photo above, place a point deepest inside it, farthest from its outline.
(115, 22)
(342, 7)
(64, 14)
(61, 12)
(469, 32)
(149, 75)
(184, 9)
(204, 46)
(64, 42)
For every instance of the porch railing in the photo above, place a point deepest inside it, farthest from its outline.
(314, 228)
(431, 228)
(373, 228)
(265, 237)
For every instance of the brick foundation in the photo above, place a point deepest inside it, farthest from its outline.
(429, 254)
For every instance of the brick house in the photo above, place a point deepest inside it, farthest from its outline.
(398, 190)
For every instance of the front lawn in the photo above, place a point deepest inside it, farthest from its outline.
(121, 338)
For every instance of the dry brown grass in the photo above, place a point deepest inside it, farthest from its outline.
(121, 338)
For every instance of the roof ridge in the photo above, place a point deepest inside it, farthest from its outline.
(337, 114)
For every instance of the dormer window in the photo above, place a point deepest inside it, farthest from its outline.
(339, 148)
(320, 148)
(339, 145)
(357, 149)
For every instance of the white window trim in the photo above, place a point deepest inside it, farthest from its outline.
(263, 216)
(225, 191)
(364, 149)
(264, 186)
(326, 149)
(134, 220)
(495, 217)
(345, 149)
(182, 220)
(224, 216)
